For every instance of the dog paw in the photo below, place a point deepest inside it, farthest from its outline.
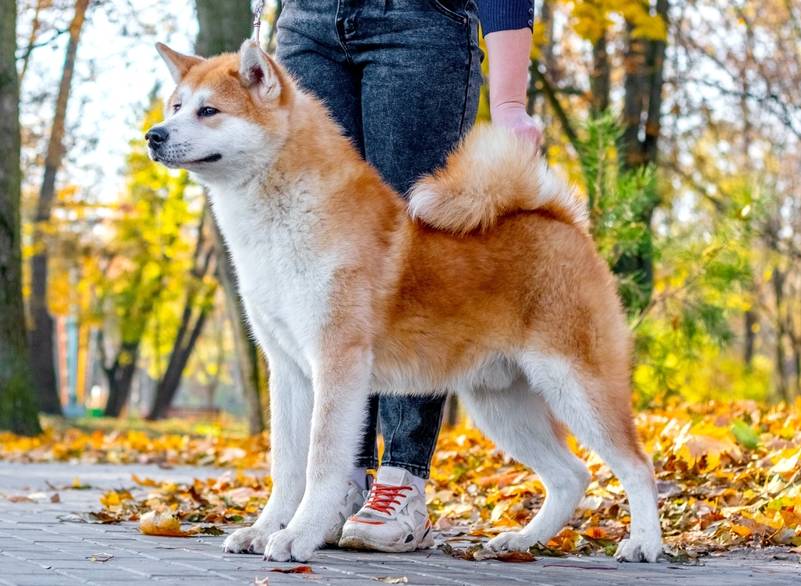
(511, 541)
(290, 544)
(635, 550)
(247, 540)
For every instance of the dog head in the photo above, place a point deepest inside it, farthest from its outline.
(228, 115)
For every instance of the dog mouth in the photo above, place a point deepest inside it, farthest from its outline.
(172, 162)
(210, 159)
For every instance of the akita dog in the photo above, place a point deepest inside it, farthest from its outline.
(486, 284)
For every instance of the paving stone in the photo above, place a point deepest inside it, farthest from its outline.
(39, 548)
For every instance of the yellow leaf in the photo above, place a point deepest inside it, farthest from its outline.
(742, 530)
(164, 524)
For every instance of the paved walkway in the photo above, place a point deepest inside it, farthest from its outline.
(41, 546)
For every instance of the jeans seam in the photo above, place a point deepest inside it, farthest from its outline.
(453, 15)
(468, 29)
(433, 444)
(340, 38)
(388, 444)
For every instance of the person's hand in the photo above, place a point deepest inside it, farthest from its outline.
(513, 116)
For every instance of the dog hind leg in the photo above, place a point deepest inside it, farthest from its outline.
(598, 413)
(520, 422)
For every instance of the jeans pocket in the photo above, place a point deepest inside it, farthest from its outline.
(450, 13)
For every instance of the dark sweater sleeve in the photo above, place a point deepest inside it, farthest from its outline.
(505, 15)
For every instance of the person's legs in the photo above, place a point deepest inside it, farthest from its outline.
(420, 87)
(308, 47)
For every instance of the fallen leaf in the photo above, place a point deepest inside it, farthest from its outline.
(476, 553)
(20, 498)
(164, 524)
(144, 481)
(99, 557)
(55, 498)
(206, 530)
(545, 551)
(728, 474)
(391, 579)
(294, 570)
(461, 553)
(104, 517)
(78, 485)
(596, 533)
(745, 434)
(503, 556)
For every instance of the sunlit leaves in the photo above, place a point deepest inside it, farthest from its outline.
(729, 474)
(591, 18)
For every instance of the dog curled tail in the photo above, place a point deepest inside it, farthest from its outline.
(492, 173)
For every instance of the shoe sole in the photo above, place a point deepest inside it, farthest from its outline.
(355, 542)
(359, 543)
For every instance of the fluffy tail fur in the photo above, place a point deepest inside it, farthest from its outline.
(492, 173)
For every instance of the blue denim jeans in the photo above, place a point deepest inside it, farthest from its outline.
(402, 77)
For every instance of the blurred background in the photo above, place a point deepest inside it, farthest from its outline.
(679, 121)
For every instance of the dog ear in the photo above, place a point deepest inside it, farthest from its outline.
(177, 63)
(258, 73)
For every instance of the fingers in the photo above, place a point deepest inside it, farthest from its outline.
(515, 118)
(531, 133)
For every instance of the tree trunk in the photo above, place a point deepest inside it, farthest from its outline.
(42, 347)
(795, 345)
(749, 334)
(600, 81)
(196, 309)
(778, 281)
(642, 106)
(36, 24)
(222, 27)
(17, 402)
(120, 377)
(185, 342)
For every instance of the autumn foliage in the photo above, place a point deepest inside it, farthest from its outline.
(729, 475)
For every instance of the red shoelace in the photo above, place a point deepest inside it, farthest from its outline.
(384, 497)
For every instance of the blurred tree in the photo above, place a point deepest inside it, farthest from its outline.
(148, 260)
(36, 23)
(643, 53)
(41, 335)
(644, 60)
(198, 303)
(17, 402)
(223, 27)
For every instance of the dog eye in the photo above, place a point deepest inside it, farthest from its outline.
(176, 107)
(207, 111)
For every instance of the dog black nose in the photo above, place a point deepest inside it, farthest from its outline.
(157, 135)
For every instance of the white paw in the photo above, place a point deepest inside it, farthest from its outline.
(291, 544)
(637, 550)
(247, 540)
(511, 541)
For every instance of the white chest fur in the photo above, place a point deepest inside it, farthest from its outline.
(284, 280)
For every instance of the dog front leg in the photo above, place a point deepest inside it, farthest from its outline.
(291, 402)
(340, 399)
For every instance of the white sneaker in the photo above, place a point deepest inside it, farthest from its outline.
(349, 505)
(393, 519)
